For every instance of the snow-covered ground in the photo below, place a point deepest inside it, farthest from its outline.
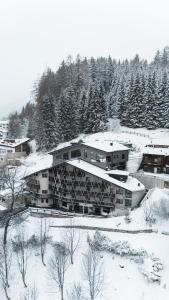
(123, 278)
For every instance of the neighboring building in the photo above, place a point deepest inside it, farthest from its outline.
(156, 159)
(11, 150)
(152, 180)
(106, 155)
(4, 129)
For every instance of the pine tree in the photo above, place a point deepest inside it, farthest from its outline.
(67, 116)
(82, 112)
(96, 116)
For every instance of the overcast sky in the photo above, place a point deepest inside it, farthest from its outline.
(35, 34)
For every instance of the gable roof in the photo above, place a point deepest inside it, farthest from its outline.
(17, 142)
(105, 146)
(156, 151)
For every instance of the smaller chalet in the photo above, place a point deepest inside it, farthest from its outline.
(156, 159)
(106, 154)
(11, 150)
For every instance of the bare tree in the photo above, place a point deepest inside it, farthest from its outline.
(76, 293)
(58, 266)
(71, 238)
(44, 238)
(5, 263)
(148, 209)
(21, 249)
(13, 185)
(14, 188)
(93, 272)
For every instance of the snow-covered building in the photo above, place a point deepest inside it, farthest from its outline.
(11, 150)
(104, 154)
(77, 185)
(4, 129)
(156, 159)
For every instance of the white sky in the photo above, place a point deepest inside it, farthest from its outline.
(35, 34)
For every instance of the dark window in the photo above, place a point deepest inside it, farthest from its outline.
(44, 175)
(66, 155)
(46, 200)
(123, 156)
(85, 153)
(86, 210)
(64, 204)
(44, 191)
(128, 202)
(42, 200)
(128, 194)
(120, 201)
(75, 153)
(108, 158)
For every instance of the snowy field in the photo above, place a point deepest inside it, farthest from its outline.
(124, 278)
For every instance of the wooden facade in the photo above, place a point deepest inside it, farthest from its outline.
(156, 163)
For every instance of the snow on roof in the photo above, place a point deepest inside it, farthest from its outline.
(106, 146)
(103, 145)
(118, 172)
(37, 162)
(4, 122)
(156, 151)
(9, 143)
(132, 184)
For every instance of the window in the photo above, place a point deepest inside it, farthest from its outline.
(85, 153)
(119, 201)
(123, 156)
(64, 204)
(44, 175)
(108, 158)
(119, 192)
(128, 202)
(9, 151)
(42, 200)
(66, 155)
(44, 191)
(86, 210)
(75, 153)
(46, 200)
(128, 194)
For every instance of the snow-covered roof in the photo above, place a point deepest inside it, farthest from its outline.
(17, 142)
(4, 122)
(156, 151)
(37, 162)
(132, 184)
(106, 146)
